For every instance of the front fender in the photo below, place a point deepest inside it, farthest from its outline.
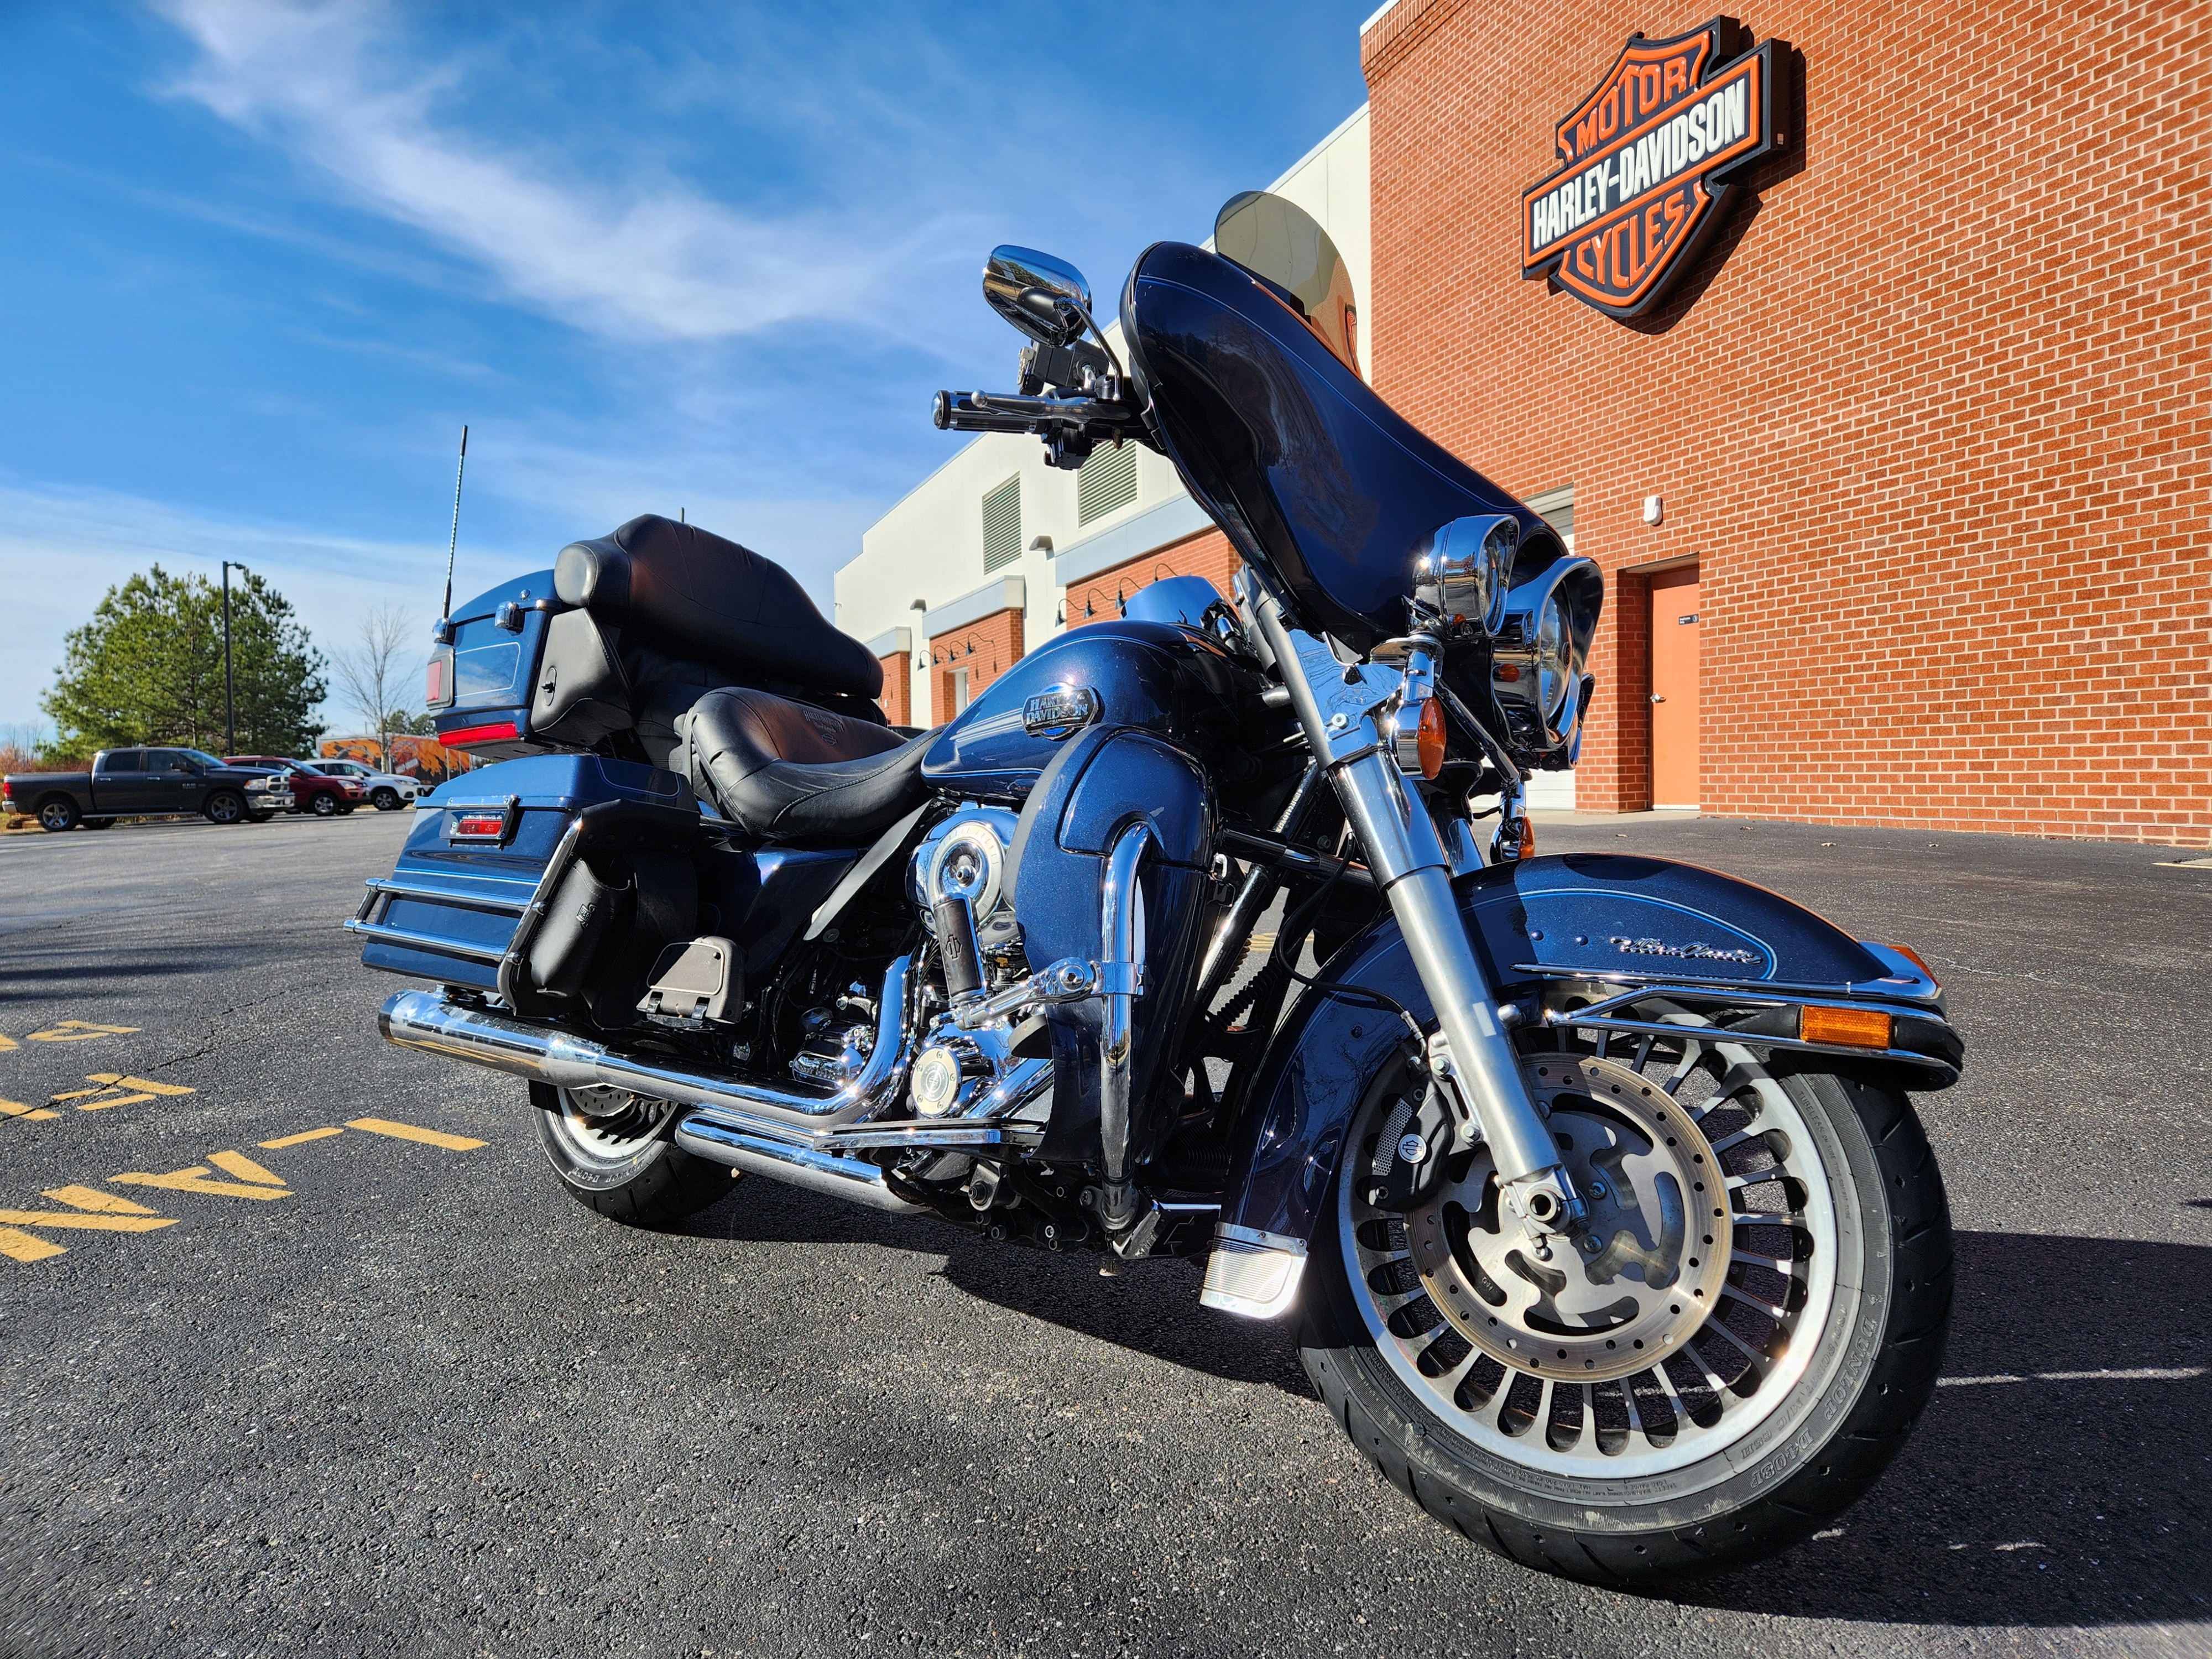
(1604, 925)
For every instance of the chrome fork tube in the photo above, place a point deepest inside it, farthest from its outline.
(1406, 857)
(1120, 978)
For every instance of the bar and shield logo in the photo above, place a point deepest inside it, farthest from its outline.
(1646, 163)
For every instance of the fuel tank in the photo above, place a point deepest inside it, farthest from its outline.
(1172, 681)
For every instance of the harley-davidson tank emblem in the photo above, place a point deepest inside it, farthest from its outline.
(1694, 951)
(1646, 164)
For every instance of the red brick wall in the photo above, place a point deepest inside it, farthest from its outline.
(898, 699)
(1937, 430)
(1207, 554)
(986, 649)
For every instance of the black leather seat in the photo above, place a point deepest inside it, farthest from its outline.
(695, 595)
(789, 771)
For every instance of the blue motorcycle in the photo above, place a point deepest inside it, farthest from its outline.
(1217, 931)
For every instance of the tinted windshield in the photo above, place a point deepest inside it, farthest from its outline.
(1282, 244)
(202, 756)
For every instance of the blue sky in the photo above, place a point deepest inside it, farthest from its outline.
(262, 260)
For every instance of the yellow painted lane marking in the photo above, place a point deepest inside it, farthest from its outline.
(28, 1114)
(78, 1030)
(23, 1247)
(195, 1180)
(90, 1198)
(98, 1224)
(8, 1042)
(112, 1089)
(245, 1168)
(299, 1139)
(379, 1126)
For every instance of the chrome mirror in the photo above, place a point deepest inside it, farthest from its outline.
(1462, 577)
(1045, 298)
(1284, 245)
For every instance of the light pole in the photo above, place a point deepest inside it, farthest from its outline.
(229, 686)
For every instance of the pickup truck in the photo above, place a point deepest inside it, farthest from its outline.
(144, 783)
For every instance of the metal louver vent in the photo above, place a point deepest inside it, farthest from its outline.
(1002, 525)
(1106, 481)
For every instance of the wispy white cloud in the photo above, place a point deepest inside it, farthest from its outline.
(650, 260)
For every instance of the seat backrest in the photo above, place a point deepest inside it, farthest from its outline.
(693, 594)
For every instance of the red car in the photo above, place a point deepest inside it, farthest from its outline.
(312, 789)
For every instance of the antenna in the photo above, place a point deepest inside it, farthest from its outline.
(453, 543)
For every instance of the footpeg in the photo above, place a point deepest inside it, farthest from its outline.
(694, 984)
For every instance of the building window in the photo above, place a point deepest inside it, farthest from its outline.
(1002, 525)
(1556, 508)
(1106, 481)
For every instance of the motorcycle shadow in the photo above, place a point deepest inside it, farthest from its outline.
(1153, 1308)
(2045, 1485)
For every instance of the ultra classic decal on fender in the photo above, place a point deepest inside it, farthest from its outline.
(1646, 162)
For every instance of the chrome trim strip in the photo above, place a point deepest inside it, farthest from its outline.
(377, 933)
(1773, 990)
(504, 906)
(1122, 924)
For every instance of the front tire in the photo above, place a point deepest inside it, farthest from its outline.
(224, 807)
(1804, 1357)
(386, 800)
(618, 1159)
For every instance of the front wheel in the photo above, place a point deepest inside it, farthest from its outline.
(386, 800)
(1723, 1359)
(224, 807)
(617, 1157)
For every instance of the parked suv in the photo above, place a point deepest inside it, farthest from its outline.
(314, 790)
(387, 791)
(143, 783)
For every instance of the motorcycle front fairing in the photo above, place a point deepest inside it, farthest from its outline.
(1318, 480)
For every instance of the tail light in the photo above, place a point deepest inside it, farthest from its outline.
(495, 732)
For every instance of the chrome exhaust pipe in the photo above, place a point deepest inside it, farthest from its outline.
(478, 1036)
(710, 1136)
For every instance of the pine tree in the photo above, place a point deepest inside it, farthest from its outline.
(148, 669)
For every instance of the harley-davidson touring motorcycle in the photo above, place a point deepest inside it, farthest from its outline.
(1216, 930)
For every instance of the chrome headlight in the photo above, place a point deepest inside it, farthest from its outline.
(1461, 577)
(1536, 669)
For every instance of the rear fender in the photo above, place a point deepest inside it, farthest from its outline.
(1594, 941)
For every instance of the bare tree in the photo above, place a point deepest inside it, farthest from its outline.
(372, 674)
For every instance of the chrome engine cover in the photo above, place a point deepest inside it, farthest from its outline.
(966, 856)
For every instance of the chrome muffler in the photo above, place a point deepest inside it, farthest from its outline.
(738, 1121)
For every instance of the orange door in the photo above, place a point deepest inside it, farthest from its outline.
(1674, 688)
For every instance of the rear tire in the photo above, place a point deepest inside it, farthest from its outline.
(1649, 1480)
(623, 1163)
(58, 813)
(99, 823)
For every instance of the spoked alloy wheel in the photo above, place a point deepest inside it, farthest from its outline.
(1722, 1359)
(612, 1152)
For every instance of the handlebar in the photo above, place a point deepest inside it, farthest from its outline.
(1006, 411)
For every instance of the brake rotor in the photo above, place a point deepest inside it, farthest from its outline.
(1633, 1283)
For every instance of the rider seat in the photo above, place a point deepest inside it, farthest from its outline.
(789, 771)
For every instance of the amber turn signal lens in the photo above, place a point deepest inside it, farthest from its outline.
(1852, 1028)
(1913, 956)
(1430, 737)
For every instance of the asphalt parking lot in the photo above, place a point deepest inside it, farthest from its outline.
(320, 1359)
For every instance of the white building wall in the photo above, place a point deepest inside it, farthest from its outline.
(929, 547)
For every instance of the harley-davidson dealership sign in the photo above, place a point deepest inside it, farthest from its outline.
(1646, 164)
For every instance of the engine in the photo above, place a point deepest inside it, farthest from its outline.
(965, 859)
